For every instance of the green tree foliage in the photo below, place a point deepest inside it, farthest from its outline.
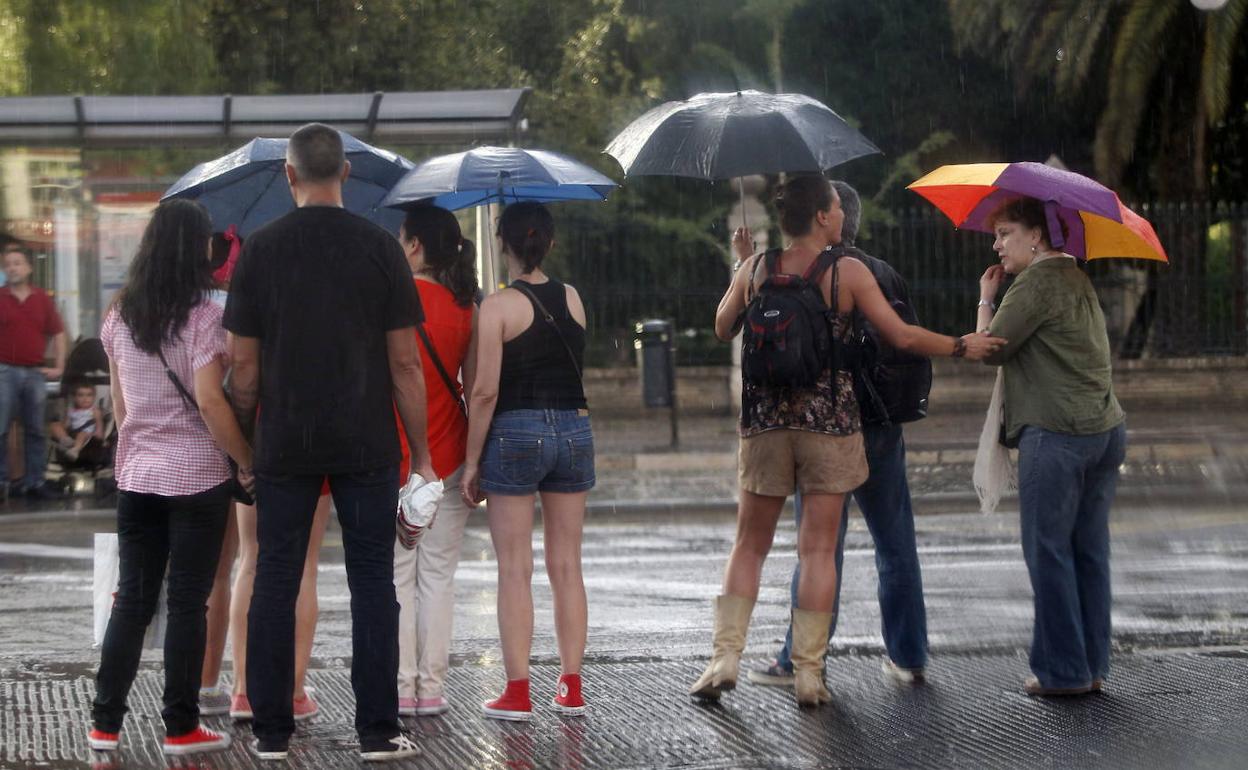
(81, 46)
(1164, 71)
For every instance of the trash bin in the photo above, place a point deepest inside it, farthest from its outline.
(654, 361)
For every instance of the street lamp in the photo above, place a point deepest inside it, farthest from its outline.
(1209, 5)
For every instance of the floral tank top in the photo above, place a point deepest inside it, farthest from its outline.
(830, 406)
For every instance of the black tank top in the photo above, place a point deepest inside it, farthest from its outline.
(537, 372)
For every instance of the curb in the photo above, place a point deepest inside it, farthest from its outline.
(925, 503)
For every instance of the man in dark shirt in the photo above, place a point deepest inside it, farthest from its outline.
(322, 307)
(28, 319)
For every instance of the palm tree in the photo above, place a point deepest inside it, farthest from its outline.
(1160, 71)
(1141, 55)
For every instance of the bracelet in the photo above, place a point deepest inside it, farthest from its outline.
(987, 304)
(959, 347)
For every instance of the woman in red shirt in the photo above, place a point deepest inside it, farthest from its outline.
(444, 266)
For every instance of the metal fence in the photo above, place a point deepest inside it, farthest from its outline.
(1195, 306)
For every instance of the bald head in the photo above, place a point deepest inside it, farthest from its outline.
(315, 153)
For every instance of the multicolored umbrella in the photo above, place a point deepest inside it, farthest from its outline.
(1097, 224)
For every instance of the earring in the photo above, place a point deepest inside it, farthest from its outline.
(1033, 249)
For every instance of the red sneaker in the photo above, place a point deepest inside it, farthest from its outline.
(102, 741)
(514, 704)
(569, 701)
(197, 740)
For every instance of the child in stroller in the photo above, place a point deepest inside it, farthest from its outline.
(80, 435)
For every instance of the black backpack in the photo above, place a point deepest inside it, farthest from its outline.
(788, 339)
(892, 386)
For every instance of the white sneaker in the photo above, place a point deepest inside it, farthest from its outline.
(903, 675)
(213, 701)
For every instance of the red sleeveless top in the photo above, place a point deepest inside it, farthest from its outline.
(449, 327)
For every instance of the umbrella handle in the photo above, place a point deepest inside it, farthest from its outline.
(741, 189)
(1056, 239)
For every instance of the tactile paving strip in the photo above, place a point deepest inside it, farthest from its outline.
(1164, 710)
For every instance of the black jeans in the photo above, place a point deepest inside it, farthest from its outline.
(366, 504)
(153, 531)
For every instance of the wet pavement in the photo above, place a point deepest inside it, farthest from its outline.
(1175, 697)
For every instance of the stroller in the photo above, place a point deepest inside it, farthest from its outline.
(86, 472)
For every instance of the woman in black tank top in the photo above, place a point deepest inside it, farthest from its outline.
(529, 433)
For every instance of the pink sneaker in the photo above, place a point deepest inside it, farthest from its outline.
(197, 740)
(431, 707)
(407, 707)
(240, 708)
(305, 708)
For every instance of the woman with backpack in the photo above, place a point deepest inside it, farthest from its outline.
(528, 434)
(164, 340)
(444, 265)
(800, 426)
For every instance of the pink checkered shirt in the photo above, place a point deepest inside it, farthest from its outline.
(164, 447)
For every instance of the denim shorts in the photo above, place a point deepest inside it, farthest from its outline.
(538, 450)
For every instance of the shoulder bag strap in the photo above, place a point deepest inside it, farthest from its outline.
(437, 364)
(177, 383)
(550, 319)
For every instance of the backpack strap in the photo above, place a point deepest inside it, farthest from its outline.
(772, 258)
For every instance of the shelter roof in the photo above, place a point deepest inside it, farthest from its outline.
(396, 117)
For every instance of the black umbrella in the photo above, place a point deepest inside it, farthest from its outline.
(725, 135)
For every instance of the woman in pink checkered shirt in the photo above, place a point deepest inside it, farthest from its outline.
(163, 334)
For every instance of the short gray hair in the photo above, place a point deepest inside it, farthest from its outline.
(315, 150)
(851, 204)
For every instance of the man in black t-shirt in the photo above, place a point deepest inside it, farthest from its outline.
(322, 307)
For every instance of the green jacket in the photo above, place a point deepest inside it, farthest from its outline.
(1056, 363)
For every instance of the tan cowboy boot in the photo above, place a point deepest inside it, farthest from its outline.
(810, 644)
(732, 620)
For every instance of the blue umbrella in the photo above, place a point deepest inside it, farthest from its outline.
(498, 175)
(247, 187)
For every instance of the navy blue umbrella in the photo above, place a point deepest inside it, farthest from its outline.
(498, 175)
(247, 188)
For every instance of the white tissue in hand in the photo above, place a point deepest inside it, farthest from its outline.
(418, 501)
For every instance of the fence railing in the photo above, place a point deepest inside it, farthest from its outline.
(1195, 306)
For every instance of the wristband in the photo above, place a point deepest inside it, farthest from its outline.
(959, 347)
(987, 304)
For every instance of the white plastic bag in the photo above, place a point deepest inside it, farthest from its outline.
(418, 505)
(994, 475)
(104, 586)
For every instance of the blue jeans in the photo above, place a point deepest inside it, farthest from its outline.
(538, 450)
(884, 500)
(185, 533)
(1066, 485)
(23, 395)
(366, 504)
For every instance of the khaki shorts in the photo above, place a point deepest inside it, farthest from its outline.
(775, 462)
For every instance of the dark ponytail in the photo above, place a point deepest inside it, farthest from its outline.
(449, 257)
(799, 199)
(528, 232)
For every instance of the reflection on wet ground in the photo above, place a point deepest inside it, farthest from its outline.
(1180, 581)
